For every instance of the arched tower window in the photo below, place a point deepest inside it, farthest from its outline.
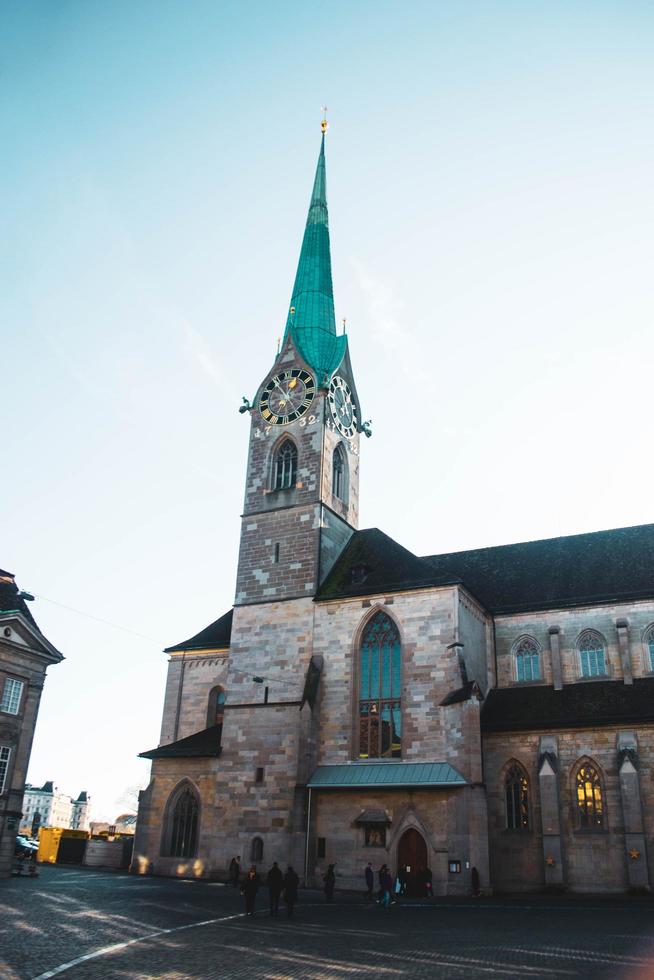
(182, 823)
(590, 798)
(339, 474)
(285, 466)
(380, 705)
(527, 660)
(649, 646)
(592, 654)
(516, 794)
(256, 850)
(215, 707)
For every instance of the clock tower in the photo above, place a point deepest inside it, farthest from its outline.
(302, 487)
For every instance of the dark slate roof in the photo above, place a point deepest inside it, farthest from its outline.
(372, 562)
(360, 775)
(10, 600)
(580, 569)
(583, 705)
(469, 690)
(218, 635)
(82, 798)
(201, 745)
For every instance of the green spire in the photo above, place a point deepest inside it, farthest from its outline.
(311, 321)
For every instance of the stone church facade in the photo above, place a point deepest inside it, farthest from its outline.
(489, 709)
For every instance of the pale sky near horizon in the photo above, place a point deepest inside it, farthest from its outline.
(489, 182)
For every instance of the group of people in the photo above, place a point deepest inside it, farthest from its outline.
(390, 888)
(279, 884)
(285, 885)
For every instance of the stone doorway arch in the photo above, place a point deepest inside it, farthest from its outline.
(412, 853)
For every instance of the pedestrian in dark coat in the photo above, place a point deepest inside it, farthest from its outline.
(291, 882)
(250, 889)
(234, 870)
(370, 881)
(385, 885)
(275, 882)
(330, 881)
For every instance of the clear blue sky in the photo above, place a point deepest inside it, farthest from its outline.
(489, 177)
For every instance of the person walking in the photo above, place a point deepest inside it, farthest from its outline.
(234, 870)
(291, 882)
(250, 889)
(275, 882)
(330, 881)
(385, 885)
(370, 881)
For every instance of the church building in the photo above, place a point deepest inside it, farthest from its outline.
(489, 709)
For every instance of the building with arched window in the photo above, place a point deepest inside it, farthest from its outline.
(491, 709)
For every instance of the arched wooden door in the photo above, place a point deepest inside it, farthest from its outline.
(412, 854)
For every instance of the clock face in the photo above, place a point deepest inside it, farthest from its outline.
(287, 397)
(342, 407)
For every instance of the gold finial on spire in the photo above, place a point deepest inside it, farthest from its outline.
(344, 324)
(324, 125)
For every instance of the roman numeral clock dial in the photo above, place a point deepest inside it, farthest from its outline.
(342, 407)
(287, 397)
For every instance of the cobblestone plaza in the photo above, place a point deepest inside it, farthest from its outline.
(82, 924)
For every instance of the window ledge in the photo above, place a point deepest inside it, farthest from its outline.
(591, 831)
(518, 832)
(583, 679)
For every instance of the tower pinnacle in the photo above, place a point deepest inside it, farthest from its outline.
(311, 322)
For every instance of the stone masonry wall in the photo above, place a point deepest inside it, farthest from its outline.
(571, 622)
(593, 860)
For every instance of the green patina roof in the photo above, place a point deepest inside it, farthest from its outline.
(313, 325)
(393, 774)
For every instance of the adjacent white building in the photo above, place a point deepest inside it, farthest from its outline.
(46, 806)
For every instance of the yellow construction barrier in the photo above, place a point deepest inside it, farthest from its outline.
(49, 840)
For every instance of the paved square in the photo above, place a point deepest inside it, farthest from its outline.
(174, 930)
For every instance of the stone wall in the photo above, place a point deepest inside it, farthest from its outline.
(570, 623)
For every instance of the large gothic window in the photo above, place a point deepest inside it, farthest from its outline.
(380, 706)
(590, 801)
(285, 466)
(516, 793)
(339, 474)
(182, 823)
(592, 654)
(527, 660)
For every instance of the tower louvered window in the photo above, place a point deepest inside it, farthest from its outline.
(380, 705)
(285, 466)
(338, 474)
(527, 660)
(516, 792)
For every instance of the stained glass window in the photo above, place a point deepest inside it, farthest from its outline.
(590, 804)
(380, 696)
(516, 789)
(592, 655)
(285, 466)
(527, 660)
(184, 825)
(649, 641)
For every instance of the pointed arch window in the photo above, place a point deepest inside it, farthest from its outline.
(339, 474)
(649, 644)
(590, 798)
(380, 703)
(516, 794)
(216, 707)
(256, 850)
(527, 660)
(592, 654)
(285, 466)
(182, 823)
